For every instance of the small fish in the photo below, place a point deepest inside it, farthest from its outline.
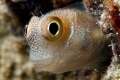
(65, 39)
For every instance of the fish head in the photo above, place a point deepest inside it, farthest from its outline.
(60, 40)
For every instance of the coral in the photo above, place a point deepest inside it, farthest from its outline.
(109, 20)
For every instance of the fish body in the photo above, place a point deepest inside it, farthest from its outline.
(65, 39)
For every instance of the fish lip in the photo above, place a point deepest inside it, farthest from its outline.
(40, 65)
(51, 67)
(43, 62)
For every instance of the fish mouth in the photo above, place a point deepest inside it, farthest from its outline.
(44, 65)
(42, 61)
(41, 64)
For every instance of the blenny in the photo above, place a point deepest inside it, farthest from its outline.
(66, 39)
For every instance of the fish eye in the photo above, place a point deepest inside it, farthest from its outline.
(25, 30)
(53, 28)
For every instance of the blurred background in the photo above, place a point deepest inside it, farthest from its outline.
(14, 60)
(14, 50)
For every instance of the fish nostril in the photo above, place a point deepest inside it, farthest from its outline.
(53, 28)
(25, 30)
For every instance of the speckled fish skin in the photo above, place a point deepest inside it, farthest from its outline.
(77, 45)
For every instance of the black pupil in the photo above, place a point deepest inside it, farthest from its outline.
(53, 28)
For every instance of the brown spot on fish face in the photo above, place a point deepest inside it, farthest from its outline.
(76, 40)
